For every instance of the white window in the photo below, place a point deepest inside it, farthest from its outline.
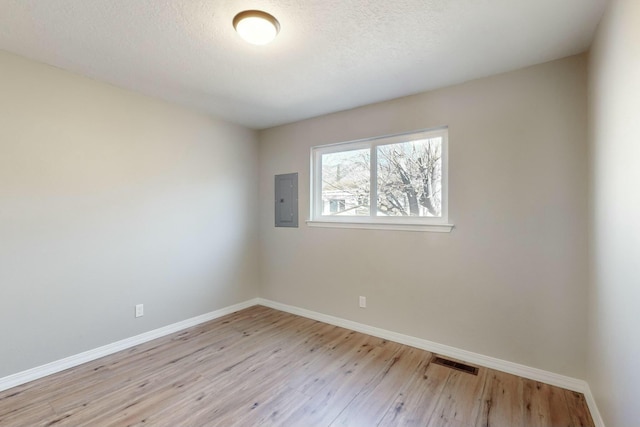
(397, 182)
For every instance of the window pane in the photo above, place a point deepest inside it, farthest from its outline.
(409, 178)
(345, 183)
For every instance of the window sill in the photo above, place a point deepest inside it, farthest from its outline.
(434, 228)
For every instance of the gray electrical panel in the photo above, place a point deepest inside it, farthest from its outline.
(286, 187)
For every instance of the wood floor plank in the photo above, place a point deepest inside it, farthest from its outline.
(371, 404)
(313, 372)
(323, 407)
(502, 401)
(37, 414)
(558, 408)
(264, 367)
(460, 401)
(545, 405)
(275, 410)
(416, 402)
(578, 409)
(335, 363)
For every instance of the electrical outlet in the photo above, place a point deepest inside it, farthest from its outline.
(363, 302)
(139, 310)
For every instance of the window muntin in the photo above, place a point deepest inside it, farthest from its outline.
(387, 180)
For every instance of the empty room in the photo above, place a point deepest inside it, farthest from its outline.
(319, 213)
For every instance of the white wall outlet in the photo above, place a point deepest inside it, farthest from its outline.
(139, 310)
(363, 302)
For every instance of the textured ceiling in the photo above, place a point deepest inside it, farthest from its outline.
(330, 55)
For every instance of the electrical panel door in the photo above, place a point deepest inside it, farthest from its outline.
(286, 200)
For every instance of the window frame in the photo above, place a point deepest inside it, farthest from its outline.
(372, 221)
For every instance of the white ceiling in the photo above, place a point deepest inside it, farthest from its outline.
(330, 55)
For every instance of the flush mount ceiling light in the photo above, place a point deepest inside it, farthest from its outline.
(256, 27)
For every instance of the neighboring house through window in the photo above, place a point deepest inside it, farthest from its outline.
(337, 205)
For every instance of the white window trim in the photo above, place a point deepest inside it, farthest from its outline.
(433, 224)
(436, 228)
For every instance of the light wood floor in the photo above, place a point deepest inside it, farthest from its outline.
(262, 367)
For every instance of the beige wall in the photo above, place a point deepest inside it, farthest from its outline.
(109, 199)
(614, 327)
(510, 280)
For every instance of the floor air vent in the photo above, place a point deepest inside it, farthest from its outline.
(455, 365)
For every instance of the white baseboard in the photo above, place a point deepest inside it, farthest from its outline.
(456, 353)
(96, 353)
(593, 408)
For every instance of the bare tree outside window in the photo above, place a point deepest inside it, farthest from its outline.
(409, 178)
